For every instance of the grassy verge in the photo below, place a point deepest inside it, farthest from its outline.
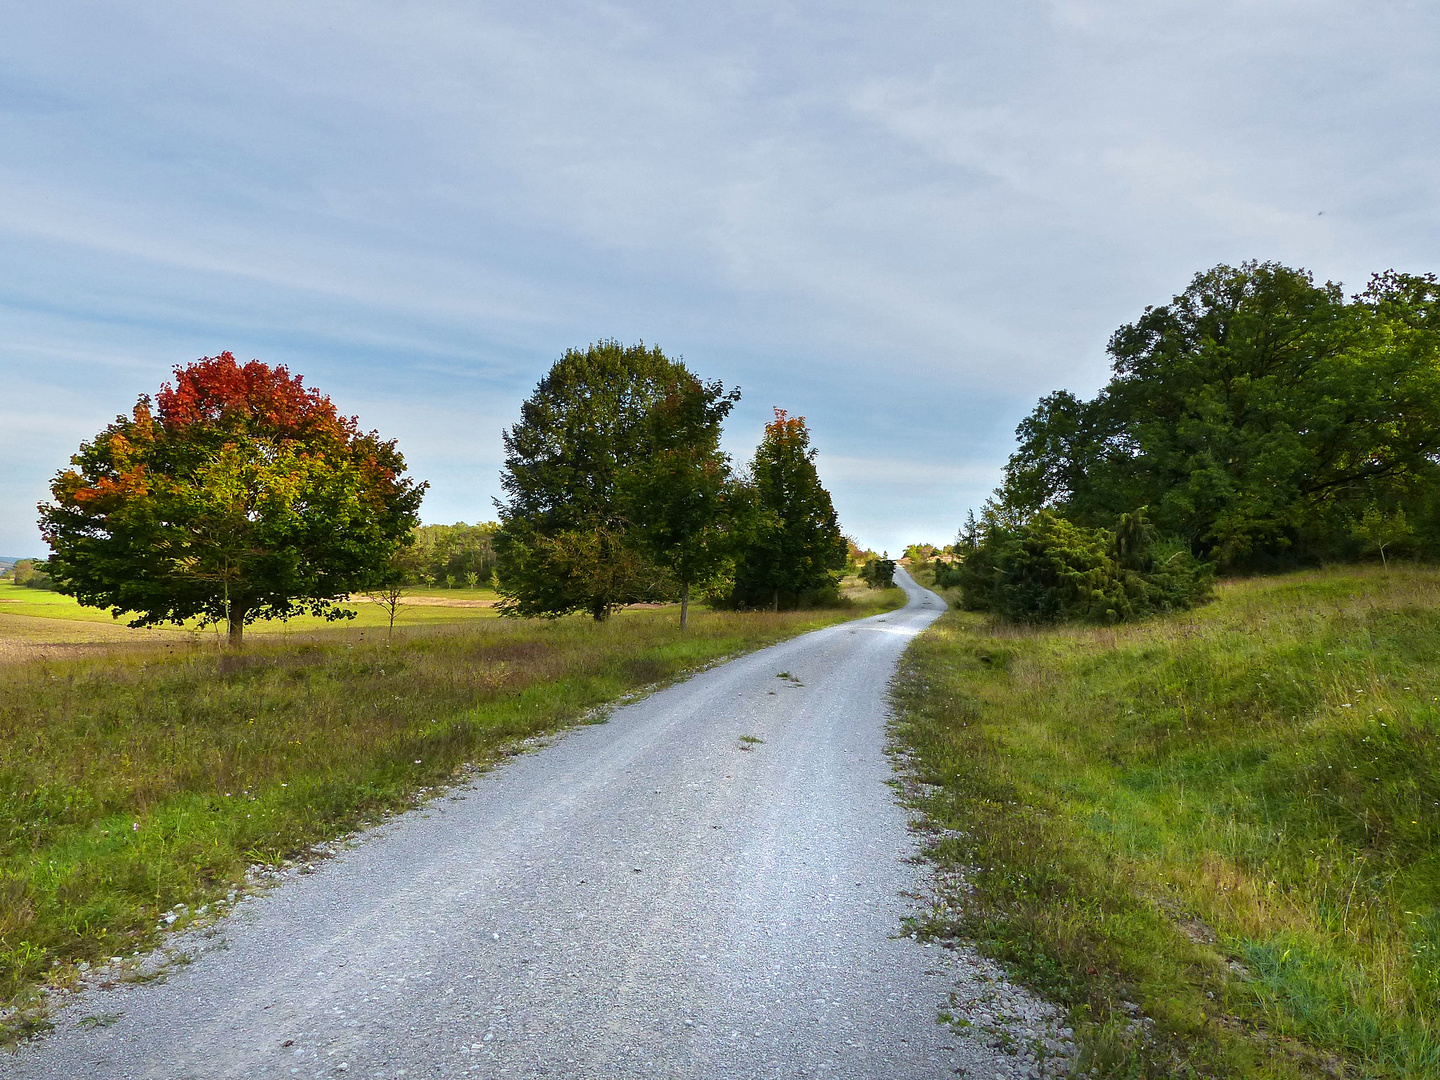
(132, 784)
(1214, 837)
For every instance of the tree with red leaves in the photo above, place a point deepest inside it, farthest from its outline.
(796, 548)
(237, 494)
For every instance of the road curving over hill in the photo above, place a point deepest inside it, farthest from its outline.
(711, 884)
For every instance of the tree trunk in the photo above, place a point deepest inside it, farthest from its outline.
(775, 601)
(600, 610)
(237, 624)
(684, 604)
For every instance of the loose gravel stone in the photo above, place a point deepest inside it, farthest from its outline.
(638, 898)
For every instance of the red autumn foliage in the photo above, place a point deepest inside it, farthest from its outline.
(219, 391)
(786, 427)
(238, 493)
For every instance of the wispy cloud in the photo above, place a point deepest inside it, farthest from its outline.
(906, 221)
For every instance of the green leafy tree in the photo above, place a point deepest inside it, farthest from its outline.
(1256, 415)
(238, 494)
(948, 574)
(33, 574)
(611, 462)
(387, 587)
(680, 501)
(1381, 530)
(591, 569)
(795, 547)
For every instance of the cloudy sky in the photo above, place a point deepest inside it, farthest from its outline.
(905, 221)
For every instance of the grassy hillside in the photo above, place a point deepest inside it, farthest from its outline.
(135, 782)
(1215, 837)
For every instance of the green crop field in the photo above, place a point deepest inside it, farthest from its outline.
(1214, 837)
(138, 779)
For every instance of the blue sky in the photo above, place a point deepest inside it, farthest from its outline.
(905, 221)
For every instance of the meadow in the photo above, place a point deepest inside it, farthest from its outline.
(39, 616)
(156, 770)
(1215, 836)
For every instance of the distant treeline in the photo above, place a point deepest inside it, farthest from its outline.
(1258, 421)
(455, 556)
(31, 573)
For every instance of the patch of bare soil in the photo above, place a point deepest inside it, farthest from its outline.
(426, 601)
(441, 601)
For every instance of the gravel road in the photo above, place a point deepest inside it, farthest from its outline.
(658, 895)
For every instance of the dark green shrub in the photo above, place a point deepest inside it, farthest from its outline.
(1048, 569)
(878, 573)
(948, 575)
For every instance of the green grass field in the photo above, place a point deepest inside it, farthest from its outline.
(1229, 819)
(422, 607)
(132, 782)
(42, 603)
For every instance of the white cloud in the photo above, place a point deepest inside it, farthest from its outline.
(907, 221)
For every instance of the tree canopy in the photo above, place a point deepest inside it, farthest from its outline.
(238, 493)
(795, 545)
(612, 479)
(680, 499)
(1258, 416)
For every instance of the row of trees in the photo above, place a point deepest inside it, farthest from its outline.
(617, 491)
(455, 556)
(1256, 421)
(238, 493)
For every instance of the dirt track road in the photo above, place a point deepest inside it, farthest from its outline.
(655, 896)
